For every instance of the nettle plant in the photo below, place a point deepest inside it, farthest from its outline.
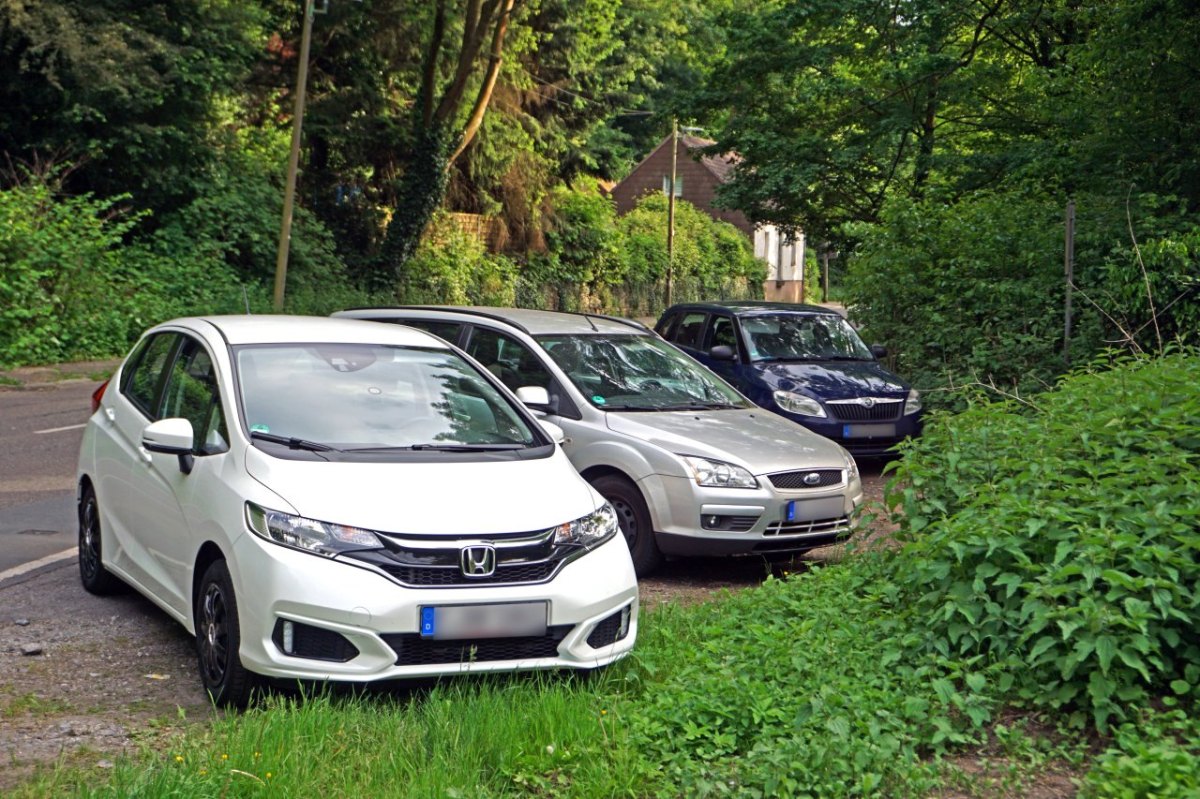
(1057, 539)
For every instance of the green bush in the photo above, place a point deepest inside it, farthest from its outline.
(452, 267)
(964, 292)
(1058, 541)
(1155, 757)
(71, 288)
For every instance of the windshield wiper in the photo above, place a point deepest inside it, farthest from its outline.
(697, 406)
(292, 443)
(467, 447)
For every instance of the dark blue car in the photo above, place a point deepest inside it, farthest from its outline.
(803, 362)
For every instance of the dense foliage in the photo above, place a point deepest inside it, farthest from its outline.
(1054, 542)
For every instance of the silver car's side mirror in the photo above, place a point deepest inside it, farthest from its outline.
(533, 396)
(171, 437)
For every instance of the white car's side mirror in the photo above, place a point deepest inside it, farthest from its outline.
(556, 433)
(533, 396)
(171, 437)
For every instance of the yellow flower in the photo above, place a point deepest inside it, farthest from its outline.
(178, 758)
(257, 755)
(268, 775)
(224, 757)
(603, 712)
(203, 771)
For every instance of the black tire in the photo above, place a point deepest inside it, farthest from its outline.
(634, 518)
(218, 640)
(95, 578)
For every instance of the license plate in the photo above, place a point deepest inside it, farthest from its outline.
(484, 621)
(868, 431)
(807, 510)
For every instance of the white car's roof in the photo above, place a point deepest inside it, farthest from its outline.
(536, 323)
(273, 329)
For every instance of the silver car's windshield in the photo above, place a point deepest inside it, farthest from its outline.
(638, 373)
(803, 337)
(361, 397)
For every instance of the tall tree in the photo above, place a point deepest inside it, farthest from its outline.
(443, 123)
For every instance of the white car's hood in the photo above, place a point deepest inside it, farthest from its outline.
(757, 439)
(452, 498)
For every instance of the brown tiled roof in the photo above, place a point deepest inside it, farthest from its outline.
(721, 166)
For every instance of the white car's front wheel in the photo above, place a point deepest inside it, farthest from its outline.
(218, 638)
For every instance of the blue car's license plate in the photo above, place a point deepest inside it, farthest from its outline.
(484, 621)
(868, 431)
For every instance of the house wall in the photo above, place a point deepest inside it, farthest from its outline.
(784, 255)
(699, 184)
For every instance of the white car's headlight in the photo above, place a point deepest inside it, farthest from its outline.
(591, 530)
(913, 403)
(851, 468)
(799, 404)
(309, 535)
(718, 474)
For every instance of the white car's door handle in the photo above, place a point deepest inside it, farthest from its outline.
(111, 414)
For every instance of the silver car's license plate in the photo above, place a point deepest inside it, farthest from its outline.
(807, 510)
(484, 621)
(868, 431)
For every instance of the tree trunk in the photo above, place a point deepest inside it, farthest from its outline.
(419, 195)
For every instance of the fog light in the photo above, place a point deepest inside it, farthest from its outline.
(623, 630)
(289, 637)
(710, 522)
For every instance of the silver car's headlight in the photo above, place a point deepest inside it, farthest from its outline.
(309, 535)
(718, 474)
(591, 530)
(913, 403)
(799, 404)
(851, 468)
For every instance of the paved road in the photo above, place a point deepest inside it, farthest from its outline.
(40, 429)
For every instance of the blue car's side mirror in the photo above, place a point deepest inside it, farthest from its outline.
(879, 351)
(721, 352)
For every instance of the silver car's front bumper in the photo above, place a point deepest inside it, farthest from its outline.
(690, 519)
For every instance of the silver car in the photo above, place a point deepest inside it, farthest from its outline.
(692, 466)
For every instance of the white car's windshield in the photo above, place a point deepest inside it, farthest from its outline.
(638, 373)
(361, 397)
(803, 337)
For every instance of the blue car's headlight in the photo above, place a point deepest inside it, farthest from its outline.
(308, 535)
(799, 404)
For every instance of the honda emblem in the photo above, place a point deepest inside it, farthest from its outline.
(478, 560)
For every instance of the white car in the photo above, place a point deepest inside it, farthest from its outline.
(329, 499)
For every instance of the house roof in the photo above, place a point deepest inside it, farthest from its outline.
(721, 166)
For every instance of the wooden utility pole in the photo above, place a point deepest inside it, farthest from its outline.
(671, 212)
(1069, 271)
(289, 191)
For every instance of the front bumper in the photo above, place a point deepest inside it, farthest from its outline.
(863, 439)
(380, 620)
(695, 520)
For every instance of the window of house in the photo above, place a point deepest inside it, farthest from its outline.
(678, 185)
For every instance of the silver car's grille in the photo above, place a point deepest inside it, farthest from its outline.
(866, 409)
(840, 525)
(437, 563)
(824, 478)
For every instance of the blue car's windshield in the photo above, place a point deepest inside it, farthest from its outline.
(803, 337)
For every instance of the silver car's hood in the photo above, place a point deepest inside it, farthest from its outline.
(756, 439)
(452, 498)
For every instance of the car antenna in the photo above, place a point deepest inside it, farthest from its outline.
(246, 297)
(590, 322)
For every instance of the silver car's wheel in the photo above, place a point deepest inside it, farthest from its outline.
(634, 518)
